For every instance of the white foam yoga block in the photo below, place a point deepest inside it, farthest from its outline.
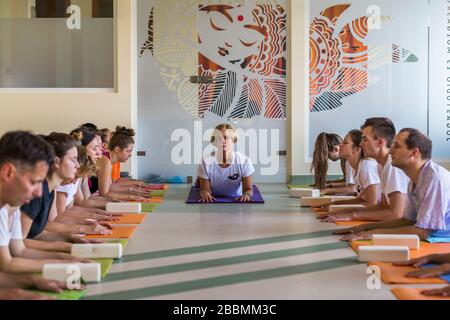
(123, 207)
(412, 241)
(316, 202)
(300, 193)
(337, 207)
(341, 198)
(383, 253)
(97, 251)
(89, 272)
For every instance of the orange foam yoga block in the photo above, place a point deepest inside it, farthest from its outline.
(414, 294)
(119, 232)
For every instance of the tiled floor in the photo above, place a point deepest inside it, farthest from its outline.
(229, 251)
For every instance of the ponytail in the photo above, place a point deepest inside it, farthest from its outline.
(325, 144)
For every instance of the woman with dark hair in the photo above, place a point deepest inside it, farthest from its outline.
(66, 193)
(327, 148)
(38, 216)
(367, 179)
(120, 150)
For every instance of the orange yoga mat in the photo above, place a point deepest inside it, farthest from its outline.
(425, 248)
(157, 187)
(130, 219)
(414, 294)
(119, 232)
(350, 223)
(150, 200)
(391, 274)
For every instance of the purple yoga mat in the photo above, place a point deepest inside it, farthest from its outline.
(194, 197)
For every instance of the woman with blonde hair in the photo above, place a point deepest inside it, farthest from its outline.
(225, 172)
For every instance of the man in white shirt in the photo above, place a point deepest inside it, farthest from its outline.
(378, 137)
(24, 162)
(427, 213)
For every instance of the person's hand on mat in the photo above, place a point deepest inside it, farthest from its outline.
(20, 294)
(351, 230)
(323, 216)
(81, 238)
(433, 272)
(245, 198)
(94, 229)
(340, 217)
(444, 292)
(325, 207)
(206, 197)
(138, 192)
(103, 215)
(39, 283)
(358, 236)
(63, 246)
(111, 218)
(417, 263)
(131, 197)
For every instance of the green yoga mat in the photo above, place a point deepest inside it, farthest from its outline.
(158, 193)
(148, 207)
(65, 295)
(106, 264)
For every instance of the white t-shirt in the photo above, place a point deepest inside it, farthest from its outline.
(349, 174)
(392, 179)
(70, 190)
(10, 231)
(366, 175)
(226, 182)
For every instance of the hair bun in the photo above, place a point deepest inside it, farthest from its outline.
(77, 135)
(125, 131)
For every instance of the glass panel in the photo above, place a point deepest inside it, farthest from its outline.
(203, 63)
(367, 59)
(54, 52)
(440, 79)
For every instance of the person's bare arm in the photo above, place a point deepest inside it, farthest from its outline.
(56, 246)
(53, 214)
(370, 194)
(61, 199)
(26, 223)
(340, 190)
(382, 212)
(104, 176)
(81, 201)
(18, 259)
(205, 191)
(247, 188)
(77, 228)
(423, 234)
(397, 223)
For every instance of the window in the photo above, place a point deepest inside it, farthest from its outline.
(43, 46)
(52, 8)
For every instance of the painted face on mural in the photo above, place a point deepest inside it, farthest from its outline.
(229, 34)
